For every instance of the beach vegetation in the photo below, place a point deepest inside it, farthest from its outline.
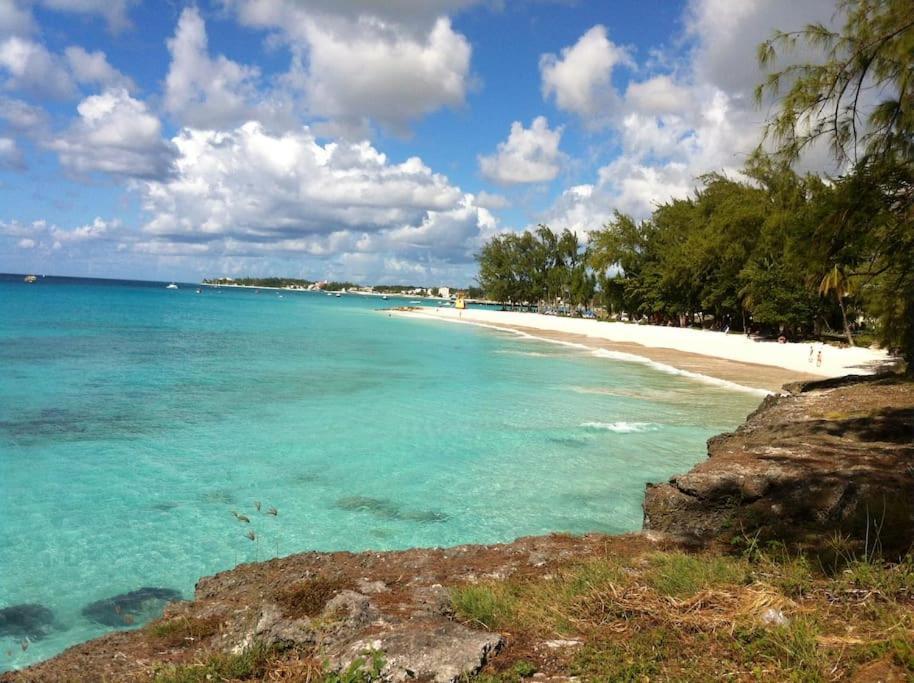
(774, 251)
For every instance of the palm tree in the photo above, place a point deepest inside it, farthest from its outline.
(836, 281)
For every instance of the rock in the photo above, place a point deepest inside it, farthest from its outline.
(28, 620)
(774, 617)
(130, 608)
(444, 652)
(832, 456)
(371, 587)
(351, 611)
(561, 644)
(433, 600)
(273, 627)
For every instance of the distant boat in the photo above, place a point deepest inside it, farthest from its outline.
(337, 294)
(384, 297)
(29, 279)
(171, 286)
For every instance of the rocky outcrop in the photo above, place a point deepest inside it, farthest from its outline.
(335, 609)
(835, 456)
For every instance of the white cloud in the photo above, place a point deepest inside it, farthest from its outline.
(250, 191)
(529, 155)
(115, 12)
(205, 92)
(658, 95)
(115, 134)
(727, 34)
(699, 117)
(31, 68)
(361, 62)
(490, 200)
(93, 68)
(98, 229)
(581, 79)
(15, 19)
(10, 154)
(24, 118)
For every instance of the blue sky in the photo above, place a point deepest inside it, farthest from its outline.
(381, 142)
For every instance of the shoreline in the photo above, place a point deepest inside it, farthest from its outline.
(733, 361)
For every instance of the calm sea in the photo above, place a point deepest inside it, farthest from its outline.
(134, 420)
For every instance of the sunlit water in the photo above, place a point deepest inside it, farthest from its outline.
(134, 420)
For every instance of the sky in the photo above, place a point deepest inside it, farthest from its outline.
(366, 140)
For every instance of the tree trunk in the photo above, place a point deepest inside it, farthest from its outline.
(847, 328)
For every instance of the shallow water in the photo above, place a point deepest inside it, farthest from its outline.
(134, 420)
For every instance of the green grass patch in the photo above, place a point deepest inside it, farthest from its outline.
(683, 575)
(489, 605)
(638, 657)
(792, 648)
(892, 581)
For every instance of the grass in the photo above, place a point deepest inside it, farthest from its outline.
(765, 615)
(250, 664)
(684, 575)
(182, 631)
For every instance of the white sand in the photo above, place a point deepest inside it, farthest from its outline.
(735, 347)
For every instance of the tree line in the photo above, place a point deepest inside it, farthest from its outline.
(774, 250)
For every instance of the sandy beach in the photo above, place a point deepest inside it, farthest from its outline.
(762, 366)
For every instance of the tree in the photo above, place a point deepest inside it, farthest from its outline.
(859, 97)
(836, 281)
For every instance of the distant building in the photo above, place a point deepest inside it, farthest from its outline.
(444, 292)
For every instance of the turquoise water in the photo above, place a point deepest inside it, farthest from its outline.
(134, 420)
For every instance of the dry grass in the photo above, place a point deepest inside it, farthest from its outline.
(183, 631)
(308, 598)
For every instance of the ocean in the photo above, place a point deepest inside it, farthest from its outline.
(135, 421)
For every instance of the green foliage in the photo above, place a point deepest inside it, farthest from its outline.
(532, 267)
(871, 52)
(868, 228)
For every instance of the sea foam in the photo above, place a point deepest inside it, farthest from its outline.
(620, 427)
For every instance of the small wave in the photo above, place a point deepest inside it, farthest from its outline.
(620, 427)
(512, 352)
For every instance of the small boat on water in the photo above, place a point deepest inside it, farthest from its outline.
(171, 286)
(337, 294)
(30, 279)
(384, 297)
